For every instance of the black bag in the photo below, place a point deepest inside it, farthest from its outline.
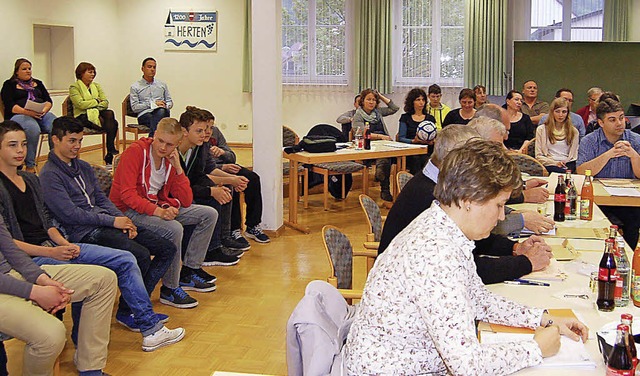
(318, 144)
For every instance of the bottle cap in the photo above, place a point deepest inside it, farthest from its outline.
(614, 226)
(626, 316)
(609, 240)
(623, 327)
(587, 173)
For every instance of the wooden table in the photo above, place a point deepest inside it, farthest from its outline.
(379, 149)
(602, 197)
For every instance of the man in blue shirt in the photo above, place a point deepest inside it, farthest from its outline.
(150, 98)
(612, 152)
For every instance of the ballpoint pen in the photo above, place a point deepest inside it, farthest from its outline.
(526, 282)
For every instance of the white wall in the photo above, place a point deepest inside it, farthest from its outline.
(634, 22)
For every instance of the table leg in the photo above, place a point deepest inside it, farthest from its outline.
(293, 199)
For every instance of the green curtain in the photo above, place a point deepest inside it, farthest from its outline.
(246, 49)
(373, 45)
(616, 21)
(485, 44)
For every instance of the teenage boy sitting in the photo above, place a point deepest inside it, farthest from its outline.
(30, 295)
(222, 160)
(22, 206)
(150, 187)
(88, 216)
(206, 192)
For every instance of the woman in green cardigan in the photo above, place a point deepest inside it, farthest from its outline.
(90, 106)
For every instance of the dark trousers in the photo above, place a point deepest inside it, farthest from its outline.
(108, 123)
(144, 245)
(628, 219)
(253, 199)
(571, 166)
(151, 119)
(3, 360)
(223, 226)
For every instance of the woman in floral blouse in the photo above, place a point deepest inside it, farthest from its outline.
(421, 300)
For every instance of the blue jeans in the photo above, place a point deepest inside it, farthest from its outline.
(33, 127)
(202, 217)
(129, 280)
(142, 247)
(151, 119)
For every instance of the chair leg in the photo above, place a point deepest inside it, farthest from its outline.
(365, 181)
(305, 194)
(342, 195)
(326, 189)
(104, 145)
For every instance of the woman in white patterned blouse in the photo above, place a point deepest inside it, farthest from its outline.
(421, 300)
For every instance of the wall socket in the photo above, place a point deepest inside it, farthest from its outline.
(243, 127)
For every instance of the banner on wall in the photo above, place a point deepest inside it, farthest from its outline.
(191, 31)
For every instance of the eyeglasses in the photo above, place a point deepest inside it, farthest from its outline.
(593, 100)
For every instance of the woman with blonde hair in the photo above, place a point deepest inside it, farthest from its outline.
(557, 139)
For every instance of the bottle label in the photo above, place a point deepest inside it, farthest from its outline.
(567, 207)
(584, 209)
(608, 275)
(560, 197)
(617, 292)
(635, 287)
(619, 372)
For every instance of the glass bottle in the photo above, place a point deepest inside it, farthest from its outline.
(623, 274)
(559, 200)
(619, 361)
(606, 278)
(586, 198)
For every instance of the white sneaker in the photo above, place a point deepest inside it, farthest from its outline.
(162, 337)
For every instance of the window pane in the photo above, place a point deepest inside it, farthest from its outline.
(452, 55)
(453, 13)
(416, 12)
(295, 53)
(546, 20)
(330, 12)
(587, 20)
(330, 51)
(294, 12)
(416, 52)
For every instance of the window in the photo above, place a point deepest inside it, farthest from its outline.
(53, 56)
(314, 41)
(576, 20)
(429, 42)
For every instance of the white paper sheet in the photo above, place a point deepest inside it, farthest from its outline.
(34, 106)
(626, 192)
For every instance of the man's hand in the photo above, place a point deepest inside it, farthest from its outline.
(239, 183)
(530, 242)
(174, 160)
(50, 298)
(221, 194)
(536, 195)
(161, 103)
(216, 151)
(539, 257)
(624, 149)
(534, 182)
(537, 222)
(168, 214)
(63, 252)
(231, 168)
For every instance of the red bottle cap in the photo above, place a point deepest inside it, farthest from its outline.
(623, 327)
(626, 316)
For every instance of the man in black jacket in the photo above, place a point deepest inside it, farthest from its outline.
(497, 258)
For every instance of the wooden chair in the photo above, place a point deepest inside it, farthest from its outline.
(340, 255)
(67, 110)
(529, 164)
(375, 220)
(134, 128)
(290, 138)
(531, 148)
(402, 178)
(105, 180)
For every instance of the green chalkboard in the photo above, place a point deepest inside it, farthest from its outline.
(613, 66)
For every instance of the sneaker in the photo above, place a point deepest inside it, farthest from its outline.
(162, 337)
(231, 252)
(236, 244)
(176, 298)
(218, 258)
(206, 276)
(255, 233)
(194, 282)
(386, 196)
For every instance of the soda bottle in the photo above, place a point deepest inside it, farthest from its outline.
(572, 202)
(635, 278)
(607, 278)
(559, 200)
(623, 274)
(627, 319)
(359, 140)
(586, 198)
(619, 361)
(613, 232)
(567, 179)
(367, 136)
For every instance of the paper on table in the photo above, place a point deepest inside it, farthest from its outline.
(34, 106)
(553, 272)
(526, 231)
(620, 183)
(578, 180)
(626, 192)
(583, 233)
(571, 355)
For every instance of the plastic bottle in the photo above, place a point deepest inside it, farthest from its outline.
(623, 274)
(586, 198)
(635, 278)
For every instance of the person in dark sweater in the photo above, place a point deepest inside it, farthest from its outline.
(205, 191)
(497, 258)
(415, 112)
(465, 113)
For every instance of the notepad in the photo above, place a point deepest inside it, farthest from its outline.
(34, 106)
(572, 354)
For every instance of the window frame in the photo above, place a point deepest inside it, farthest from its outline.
(566, 29)
(436, 68)
(312, 79)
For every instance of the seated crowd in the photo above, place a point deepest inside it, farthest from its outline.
(173, 208)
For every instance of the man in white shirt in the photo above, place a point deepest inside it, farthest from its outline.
(150, 98)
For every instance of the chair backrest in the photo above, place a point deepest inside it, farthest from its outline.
(340, 254)
(529, 164)
(126, 110)
(402, 178)
(372, 212)
(116, 160)
(67, 107)
(289, 137)
(104, 178)
(531, 148)
(2, 109)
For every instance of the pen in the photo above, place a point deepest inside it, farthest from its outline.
(529, 282)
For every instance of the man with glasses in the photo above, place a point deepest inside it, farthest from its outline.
(531, 105)
(576, 119)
